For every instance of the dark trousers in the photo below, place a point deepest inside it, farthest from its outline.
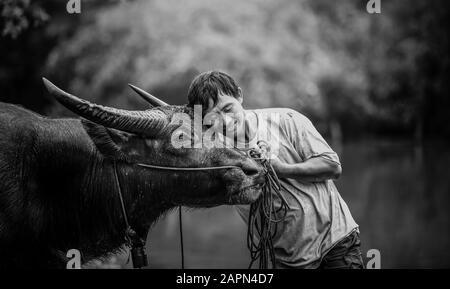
(344, 255)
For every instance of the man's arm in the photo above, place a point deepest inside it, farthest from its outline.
(316, 169)
(319, 163)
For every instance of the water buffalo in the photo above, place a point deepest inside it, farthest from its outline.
(57, 179)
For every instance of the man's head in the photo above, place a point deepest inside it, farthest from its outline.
(218, 94)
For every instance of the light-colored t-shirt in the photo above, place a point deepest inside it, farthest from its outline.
(318, 217)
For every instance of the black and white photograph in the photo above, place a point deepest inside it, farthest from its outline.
(229, 135)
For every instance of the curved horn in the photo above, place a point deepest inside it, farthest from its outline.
(154, 101)
(148, 122)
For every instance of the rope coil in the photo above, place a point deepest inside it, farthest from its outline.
(264, 216)
(259, 234)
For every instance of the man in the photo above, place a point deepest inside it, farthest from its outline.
(318, 231)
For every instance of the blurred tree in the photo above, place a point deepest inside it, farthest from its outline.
(30, 30)
(348, 70)
(19, 15)
(408, 68)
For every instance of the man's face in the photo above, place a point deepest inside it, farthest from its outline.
(230, 111)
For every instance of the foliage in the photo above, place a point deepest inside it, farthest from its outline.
(19, 15)
(333, 61)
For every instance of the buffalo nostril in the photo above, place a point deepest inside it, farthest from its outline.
(250, 170)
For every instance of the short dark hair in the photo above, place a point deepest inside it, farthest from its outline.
(208, 85)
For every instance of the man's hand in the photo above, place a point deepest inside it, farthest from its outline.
(279, 166)
(316, 169)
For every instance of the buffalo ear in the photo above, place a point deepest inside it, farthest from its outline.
(106, 140)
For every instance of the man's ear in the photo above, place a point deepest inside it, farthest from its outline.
(240, 97)
(109, 142)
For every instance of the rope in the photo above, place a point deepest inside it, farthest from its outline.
(136, 244)
(264, 216)
(122, 204)
(149, 166)
(187, 168)
(181, 236)
(259, 234)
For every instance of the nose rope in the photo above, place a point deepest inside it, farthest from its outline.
(186, 168)
(263, 216)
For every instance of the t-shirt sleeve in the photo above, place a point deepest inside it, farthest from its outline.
(307, 141)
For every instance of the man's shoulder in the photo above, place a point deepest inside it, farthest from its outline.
(283, 114)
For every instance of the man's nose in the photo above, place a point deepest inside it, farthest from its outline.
(226, 123)
(228, 120)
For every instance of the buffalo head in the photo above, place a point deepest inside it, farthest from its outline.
(146, 137)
